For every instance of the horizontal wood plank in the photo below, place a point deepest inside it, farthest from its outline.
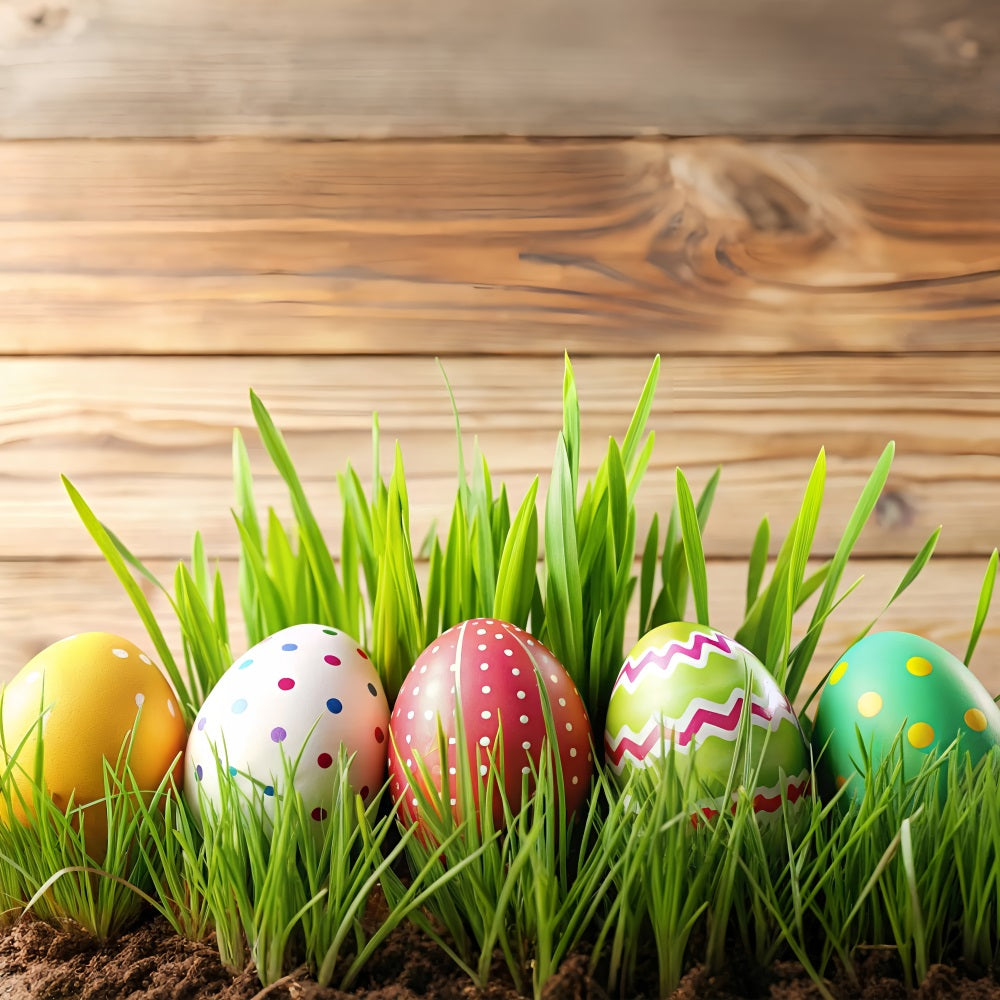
(41, 602)
(148, 442)
(619, 247)
(353, 68)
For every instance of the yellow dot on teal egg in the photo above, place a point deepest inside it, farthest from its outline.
(870, 704)
(919, 666)
(920, 735)
(975, 719)
(838, 672)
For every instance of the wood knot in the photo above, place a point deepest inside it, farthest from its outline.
(893, 511)
(759, 188)
(47, 18)
(28, 21)
(953, 45)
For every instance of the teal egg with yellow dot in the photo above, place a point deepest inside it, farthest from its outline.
(893, 686)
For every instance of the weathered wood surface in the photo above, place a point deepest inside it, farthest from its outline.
(41, 602)
(148, 441)
(630, 247)
(354, 68)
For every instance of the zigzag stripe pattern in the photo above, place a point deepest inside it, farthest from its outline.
(766, 800)
(665, 659)
(701, 719)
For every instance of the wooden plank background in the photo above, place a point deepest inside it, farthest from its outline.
(167, 240)
(835, 294)
(353, 68)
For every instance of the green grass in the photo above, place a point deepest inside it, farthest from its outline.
(84, 863)
(529, 886)
(900, 867)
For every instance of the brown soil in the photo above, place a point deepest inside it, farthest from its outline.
(152, 963)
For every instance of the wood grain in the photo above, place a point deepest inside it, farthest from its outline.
(353, 68)
(618, 247)
(148, 441)
(41, 602)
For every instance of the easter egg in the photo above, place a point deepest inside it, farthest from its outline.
(890, 683)
(682, 690)
(491, 673)
(89, 690)
(301, 695)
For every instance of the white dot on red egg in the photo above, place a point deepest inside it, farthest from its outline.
(553, 678)
(451, 770)
(499, 635)
(508, 652)
(569, 727)
(481, 647)
(526, 745)
(486, 714)
(428, 715)
(453, 801)
(484, 741)
(531, 642)
(409, 738)
(486, 689)
(483, 769)
(572, 751)
(525, 769)
(480, 631)
(484, 665)
(576, 780)
(522, 695)
(435, 649)
(416, 690)
(524, 720)
(562, 702)
(515, 672)
(451, 740)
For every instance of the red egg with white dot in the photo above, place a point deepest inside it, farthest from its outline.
(495, 672)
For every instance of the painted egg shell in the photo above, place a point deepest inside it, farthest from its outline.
(682, 688)
(889, 682)
(309, 690)
(91, 687)
(495, 672)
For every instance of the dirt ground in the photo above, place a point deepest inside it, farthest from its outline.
(151, 962)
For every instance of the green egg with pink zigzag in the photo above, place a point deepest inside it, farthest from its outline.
(690, 691)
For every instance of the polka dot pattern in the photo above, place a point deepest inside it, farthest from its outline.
(837, 675)
(870, 704)
(494, 671)
(975, 719)
(919, 666)
(305, 692)
(899, 683)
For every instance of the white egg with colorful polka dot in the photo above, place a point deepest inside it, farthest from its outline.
(302, 694)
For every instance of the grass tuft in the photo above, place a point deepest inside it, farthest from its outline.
(904, 866)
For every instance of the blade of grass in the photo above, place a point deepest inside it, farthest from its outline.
(983, 606)
(694, 552)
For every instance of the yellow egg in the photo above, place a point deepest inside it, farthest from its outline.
(88, 691)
